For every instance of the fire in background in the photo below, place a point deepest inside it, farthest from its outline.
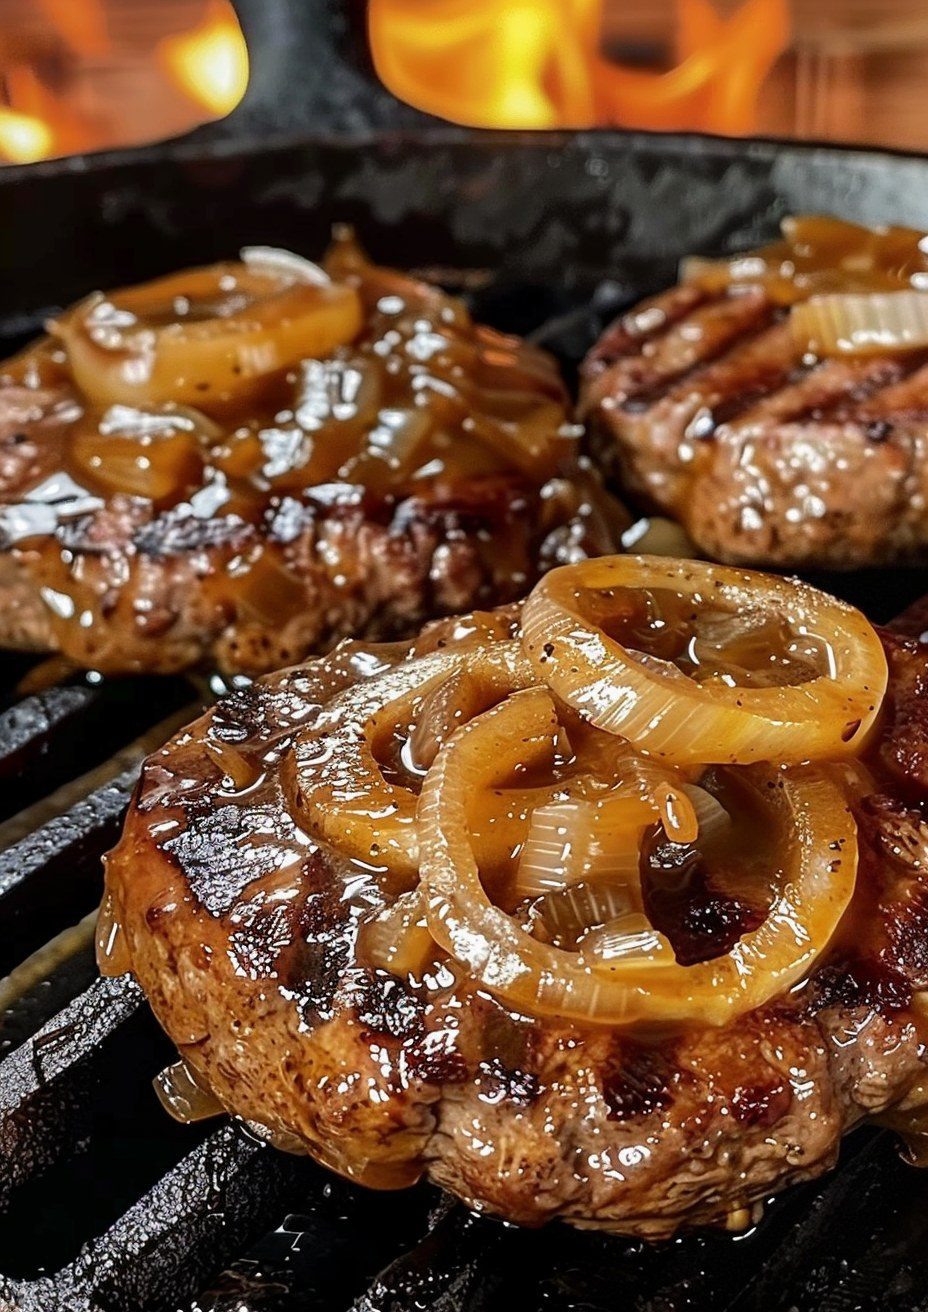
(845, 70)
(79, 75)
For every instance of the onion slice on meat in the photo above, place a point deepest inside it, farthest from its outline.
(666, 713)
(397, 939)
(816, 846)
(861, 324)
(341, 795)
(206, 337)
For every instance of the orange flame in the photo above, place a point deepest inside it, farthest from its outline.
(209, 63)
(24, 138)
(29, 123)
(82, 26)
(538, 64)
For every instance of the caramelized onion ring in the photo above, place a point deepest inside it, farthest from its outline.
(208, 336)
(818, 846)
(665, 713)
(341, 796)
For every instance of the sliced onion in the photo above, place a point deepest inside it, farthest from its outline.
(569, 842)
(713, 823)
(204, 337)
(154, 453)
(284, 263)
(342, 797)
(398, 938)
(863, 324)
(817, 255)
(488, 676)
(568, 913)
(629, 938)
(184, 1094)
(817, 846)
(665, 713)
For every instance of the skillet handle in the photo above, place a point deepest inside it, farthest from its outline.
(311, 74)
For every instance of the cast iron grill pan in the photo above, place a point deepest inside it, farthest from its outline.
(106, 1204)
(110, 1206)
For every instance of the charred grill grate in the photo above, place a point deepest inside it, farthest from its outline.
(109, 1206)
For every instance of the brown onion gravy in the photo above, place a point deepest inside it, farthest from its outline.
(423, 405)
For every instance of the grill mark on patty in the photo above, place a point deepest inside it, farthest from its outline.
(906, 399)
(756, 360)
(228, 848)
(773, 374)
(813, 390)
(870, 388)
(647, 321)
(702, 341)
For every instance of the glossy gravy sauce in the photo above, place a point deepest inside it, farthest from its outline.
(703, 896)
(819, 255)
(422, 402)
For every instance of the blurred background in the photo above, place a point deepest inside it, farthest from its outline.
(79, 75)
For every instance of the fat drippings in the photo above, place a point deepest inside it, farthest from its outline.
(112, 949)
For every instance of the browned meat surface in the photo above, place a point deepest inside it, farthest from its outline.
(700, 406)
(420, 468)
(243, 934)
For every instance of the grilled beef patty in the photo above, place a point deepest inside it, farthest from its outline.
(422, 468)
(244, 935)
(700, 406)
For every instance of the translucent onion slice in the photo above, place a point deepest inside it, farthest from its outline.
(818, 254)
(817, 846)
(342, 797)
(398, 938)
(568, 913)
(665, 713)
(863, 324)
(488, 676)
(184, 1094)
(713, 823)
(569, 842)
(208, 336)
(629, 938)
(157, 454)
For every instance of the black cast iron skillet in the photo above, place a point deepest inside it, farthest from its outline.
(106, 1204)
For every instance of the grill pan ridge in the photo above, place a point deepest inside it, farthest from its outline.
(107, 1205)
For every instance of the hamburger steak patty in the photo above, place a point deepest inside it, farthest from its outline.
(244, 935)
(701, 407)
(421, 467)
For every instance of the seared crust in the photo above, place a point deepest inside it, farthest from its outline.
(243, 935)
(335, 562)
(699, 406)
